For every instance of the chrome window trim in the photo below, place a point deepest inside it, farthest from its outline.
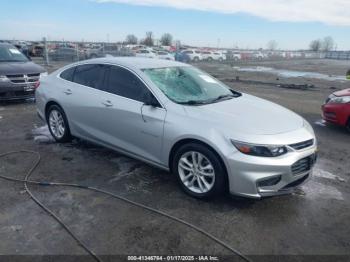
(112, 64)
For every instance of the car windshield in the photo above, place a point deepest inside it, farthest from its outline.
(188, 85)
(11, 54)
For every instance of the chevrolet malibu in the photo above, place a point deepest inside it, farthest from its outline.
(178, 118)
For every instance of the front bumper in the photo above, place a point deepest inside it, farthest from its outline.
(16, 92)
(336, 113)
(257, 177)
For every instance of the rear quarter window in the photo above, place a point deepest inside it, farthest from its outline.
(68, 74)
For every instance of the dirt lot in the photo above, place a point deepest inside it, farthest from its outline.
(315, 220)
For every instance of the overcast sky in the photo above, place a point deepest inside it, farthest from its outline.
(225, 23)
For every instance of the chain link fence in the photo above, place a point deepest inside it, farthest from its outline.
(56, 53)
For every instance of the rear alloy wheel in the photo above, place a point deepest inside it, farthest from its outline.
(199, 171)
(58, 124)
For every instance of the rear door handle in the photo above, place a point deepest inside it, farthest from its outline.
(107, 103)
(68, 92)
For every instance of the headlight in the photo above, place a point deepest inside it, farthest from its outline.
(339, 99)
(260, 150)
(3, 78)
(43, 74)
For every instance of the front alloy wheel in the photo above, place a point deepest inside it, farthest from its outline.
(196, 172)
(199, 170)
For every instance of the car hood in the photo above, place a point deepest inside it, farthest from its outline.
(248, 115)
(8, 68)
(345, 92)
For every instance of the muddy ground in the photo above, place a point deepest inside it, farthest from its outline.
(315, 220)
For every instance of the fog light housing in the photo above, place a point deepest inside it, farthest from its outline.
(270, 181)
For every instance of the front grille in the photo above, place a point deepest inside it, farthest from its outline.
(24, 79)
(303, 165)
(302, 145)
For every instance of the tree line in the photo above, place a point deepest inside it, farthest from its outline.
(325, 44)
(166, 39)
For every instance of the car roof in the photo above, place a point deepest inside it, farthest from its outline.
(136, 62)
(6, 44)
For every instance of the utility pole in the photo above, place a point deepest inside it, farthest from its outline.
(46, 52)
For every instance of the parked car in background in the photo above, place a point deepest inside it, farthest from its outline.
(108, 50)
(211, 56)
(146, 53)
(179, 118)
(233, 55)
(136, 47)
(259, 55)
(66, 54)
(36, 50)
(165, 55)
(336, 109)
(182, 57)
(19, 77)
(194, 55)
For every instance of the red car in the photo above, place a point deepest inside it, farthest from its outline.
(336, 110)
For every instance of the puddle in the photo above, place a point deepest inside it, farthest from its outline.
(317, 190)
(126, 166)
(325, 174)
(290, 73)
(42, 135)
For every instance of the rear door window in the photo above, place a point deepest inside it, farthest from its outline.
(91, 75)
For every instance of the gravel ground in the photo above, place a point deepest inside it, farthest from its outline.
(315, 220)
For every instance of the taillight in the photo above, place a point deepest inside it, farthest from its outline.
(36, 85)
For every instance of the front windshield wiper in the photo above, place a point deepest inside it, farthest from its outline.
(8, 61)
(193, 102)
(209, 101)
(222, 97)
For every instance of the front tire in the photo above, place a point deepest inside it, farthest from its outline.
(199, 171)
(58, 125)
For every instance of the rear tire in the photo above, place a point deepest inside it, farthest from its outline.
(199, 171)
(58, 125)
(348, 125)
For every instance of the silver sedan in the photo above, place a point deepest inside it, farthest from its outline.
(179, 118)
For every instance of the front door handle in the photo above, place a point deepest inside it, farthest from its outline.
(107, 103)
(68, 92)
